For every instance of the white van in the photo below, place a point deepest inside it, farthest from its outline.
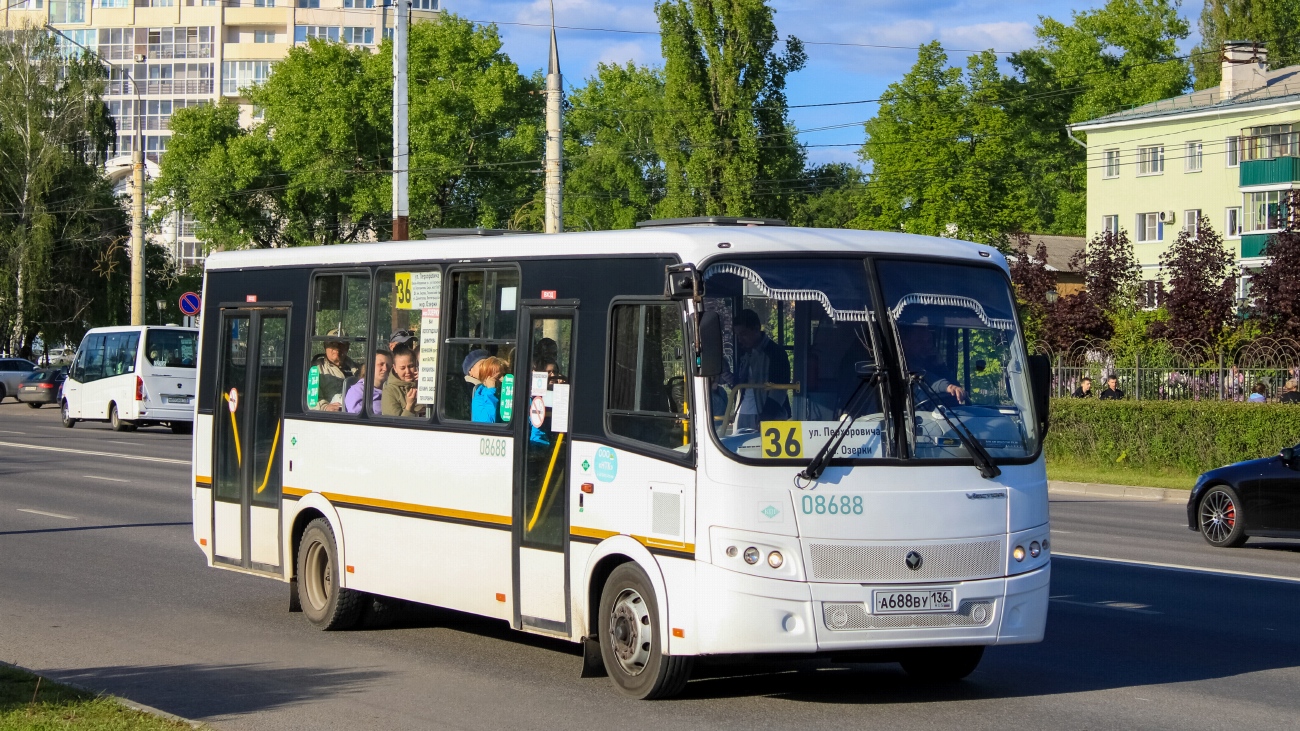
(133, 376)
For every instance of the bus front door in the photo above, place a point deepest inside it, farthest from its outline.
(247, 452)
(541, 514)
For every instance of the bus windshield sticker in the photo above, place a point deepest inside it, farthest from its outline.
(426, 291)
(509, 296)
(402, 291)
(427, 388)
(507, 397)
(541, 379)
(537, 412)
(560, 409)
(802, 439)
(313, 387)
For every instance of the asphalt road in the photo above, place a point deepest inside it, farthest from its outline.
(100, 584)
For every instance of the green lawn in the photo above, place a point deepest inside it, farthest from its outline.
(1166, 477)
(60, 707)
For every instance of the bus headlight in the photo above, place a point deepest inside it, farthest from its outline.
(752, 555)
(775, 559)
(1035, 549)
(1019, 553)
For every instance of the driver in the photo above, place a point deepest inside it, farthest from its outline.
(922, 357)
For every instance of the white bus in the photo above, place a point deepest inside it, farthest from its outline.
(680, 441)
(133, 376)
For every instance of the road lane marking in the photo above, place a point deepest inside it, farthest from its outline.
(1109, 604)
(1180, 567)
(6, 431)
(42, 512)
(89, 453)
(97, 477)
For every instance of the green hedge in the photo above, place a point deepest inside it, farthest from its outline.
(1191, 436)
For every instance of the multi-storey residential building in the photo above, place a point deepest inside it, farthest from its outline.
(182, 53)
(1229, 154)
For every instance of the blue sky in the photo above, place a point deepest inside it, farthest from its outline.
(834, 73)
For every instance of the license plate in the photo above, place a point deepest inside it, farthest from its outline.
(911, 602)
(177, 399)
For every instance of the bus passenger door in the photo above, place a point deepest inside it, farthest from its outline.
(544, 365)
(247, 451)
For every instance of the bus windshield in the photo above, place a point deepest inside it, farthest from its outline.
(171, 348)
(801, 337)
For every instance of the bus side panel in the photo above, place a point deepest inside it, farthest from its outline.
(201, 458)
(425, 514)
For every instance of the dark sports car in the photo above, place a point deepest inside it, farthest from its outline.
(1258, 497)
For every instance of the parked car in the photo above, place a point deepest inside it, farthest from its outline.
(12, 373)
(1258, 497)
(42, 387)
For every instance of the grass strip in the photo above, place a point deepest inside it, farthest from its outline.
(1168, 477)
(32, 703)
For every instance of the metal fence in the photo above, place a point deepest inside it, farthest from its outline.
(1177, 370)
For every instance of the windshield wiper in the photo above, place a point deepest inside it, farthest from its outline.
(983, 461)
(869, 375)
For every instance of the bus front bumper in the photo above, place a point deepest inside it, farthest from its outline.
(738, 613)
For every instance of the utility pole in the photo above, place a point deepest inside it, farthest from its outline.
(401, 138)
(554, 139)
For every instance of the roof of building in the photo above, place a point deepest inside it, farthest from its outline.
(695, 244)
(1060, 250)
(1281, 85)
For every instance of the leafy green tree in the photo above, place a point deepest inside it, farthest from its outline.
(1201, 275)
(725, 137)
(827, 196)
(613, 174)
(57, 210)
(1270, 22)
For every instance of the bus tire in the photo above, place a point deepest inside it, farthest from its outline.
(325, 602)
(68, 421)
(630, 645)
(942, 664)
(117, 422)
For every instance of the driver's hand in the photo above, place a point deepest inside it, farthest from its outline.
(957, 392)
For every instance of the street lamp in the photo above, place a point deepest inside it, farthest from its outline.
(162, 306)
(1051, 296)
(137, 182)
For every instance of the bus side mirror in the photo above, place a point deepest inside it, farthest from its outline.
(681, 282)
(709, 361)
(1040, 382)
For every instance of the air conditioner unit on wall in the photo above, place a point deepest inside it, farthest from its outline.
(1166, 216)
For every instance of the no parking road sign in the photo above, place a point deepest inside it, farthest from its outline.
(189, 304)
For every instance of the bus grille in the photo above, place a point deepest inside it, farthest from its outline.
(869, 564)
(845, 616)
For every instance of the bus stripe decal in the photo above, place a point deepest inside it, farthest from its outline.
(487, 519)
(656, 545)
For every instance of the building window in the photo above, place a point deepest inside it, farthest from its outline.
(1149, 227)
(322, 32)
(1232, 151)
(1265, 211)
(1151, 160)
(264, 36)
(238, 75)
(112, 4)
(360, 3)
(359, 35)
(1232, 221)
(67, 11)
(1193, 160)
(1112, 164)
(1151, 294)
(1269, 142)
(424, 4)
(1191, 220)
(263, 3)
(309, 3)
(1110, 224)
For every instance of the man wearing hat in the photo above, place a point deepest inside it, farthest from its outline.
(336, 369)
(403, 337)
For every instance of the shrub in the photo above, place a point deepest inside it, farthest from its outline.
(1193, 436)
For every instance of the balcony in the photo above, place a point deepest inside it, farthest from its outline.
(1252, 245)
(1269, 172)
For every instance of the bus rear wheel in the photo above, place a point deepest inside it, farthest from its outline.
(116, 421)
(942, 664)
(630, 643)
(320, 576)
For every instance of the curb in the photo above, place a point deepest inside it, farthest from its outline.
(1155, 494)
(197, 725)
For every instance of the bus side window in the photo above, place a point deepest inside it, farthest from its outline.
(340, 322)
(405, 333)
(648, 392)
(93, 368)
(484, 320)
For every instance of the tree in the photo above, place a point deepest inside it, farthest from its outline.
(1032, 280)
(1118, 56)
(1275, 287)
(1110, 270)
(828, 197)
(940, 156)
(725, 138)
(1200, 277)
(58, 209)
(613, 174)
(1268, 22)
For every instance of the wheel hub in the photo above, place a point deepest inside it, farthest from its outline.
(630, 630)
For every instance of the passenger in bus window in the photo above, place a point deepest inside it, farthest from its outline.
(761, 361)
(486, 403)
(336, 372)
(402, 389)
(546, 358)
(354, 398)
(403, 337)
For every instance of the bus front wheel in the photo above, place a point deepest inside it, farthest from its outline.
(942, 664)
(630, 643)
(324, 600)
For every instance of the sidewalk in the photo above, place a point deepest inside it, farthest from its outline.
(1159, 494)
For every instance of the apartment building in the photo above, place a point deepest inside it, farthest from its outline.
(1228, 153)
(181, 53)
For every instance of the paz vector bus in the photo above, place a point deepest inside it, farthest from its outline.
(704, 437)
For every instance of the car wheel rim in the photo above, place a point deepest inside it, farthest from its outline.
(630, 631)
(1218, 516)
